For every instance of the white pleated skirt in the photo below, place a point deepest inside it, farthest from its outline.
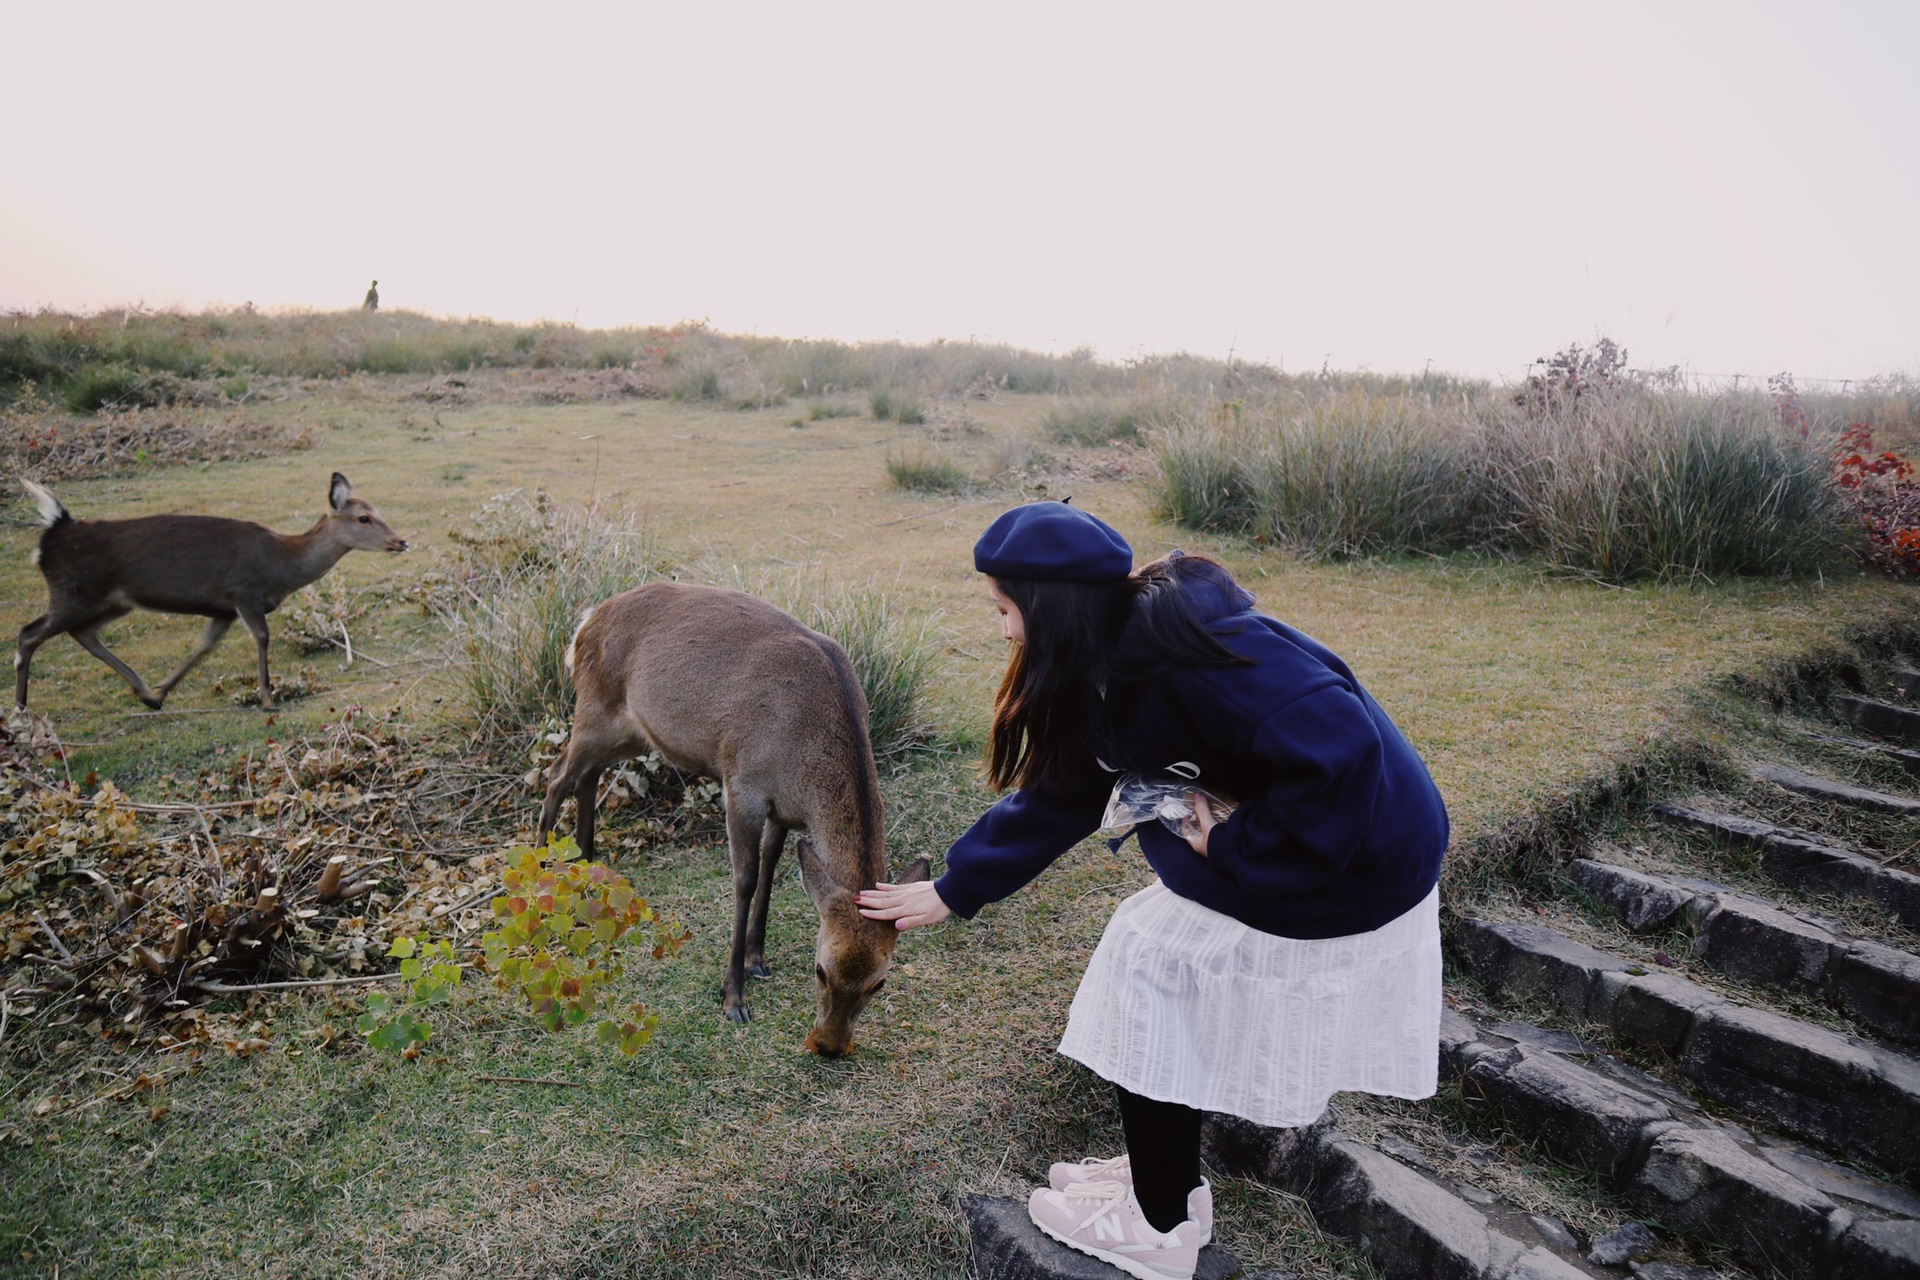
(1183, 1004)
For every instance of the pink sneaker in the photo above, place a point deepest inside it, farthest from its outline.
(1103, 1220)
(1063, 1174)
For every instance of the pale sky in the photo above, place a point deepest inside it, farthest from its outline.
(1727, 187)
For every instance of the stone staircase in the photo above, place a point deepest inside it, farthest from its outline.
(1713, 1016)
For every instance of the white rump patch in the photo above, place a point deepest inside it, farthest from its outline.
(575, 638)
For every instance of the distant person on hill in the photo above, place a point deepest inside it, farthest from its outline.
(1290, 948)
(372, 300)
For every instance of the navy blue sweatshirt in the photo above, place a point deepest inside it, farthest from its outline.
(1338, 830)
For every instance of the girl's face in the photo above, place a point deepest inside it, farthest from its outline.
(1012, 625)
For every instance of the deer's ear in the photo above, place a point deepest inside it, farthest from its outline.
(339, 491)
(919, 869)
(825, 891)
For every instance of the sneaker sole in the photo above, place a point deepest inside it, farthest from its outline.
(1133, 1266)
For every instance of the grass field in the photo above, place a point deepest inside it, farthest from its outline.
(724, 1150)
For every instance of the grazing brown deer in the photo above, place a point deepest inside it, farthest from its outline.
(724, 684)
(220, 569)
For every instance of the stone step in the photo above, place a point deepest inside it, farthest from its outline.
(1876, 985)
(1811, 784)
(1845, 1094)
(1007, 1246)
(1777, 1210)
(1800, 860)
(1409, 1226)
(1902, 756)
(1881, 719)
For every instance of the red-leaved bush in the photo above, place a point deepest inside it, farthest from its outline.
(1882, 490)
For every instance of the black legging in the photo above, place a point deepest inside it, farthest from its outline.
(1163, 1145)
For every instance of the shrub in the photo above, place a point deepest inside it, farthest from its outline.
(928, 471)
(881, 402)
(98, 386)
(1567, 375)
(1882, 495)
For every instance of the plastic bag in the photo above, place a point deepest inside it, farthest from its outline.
(1137, 797)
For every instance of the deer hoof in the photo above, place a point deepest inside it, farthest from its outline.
(152, 703)
(739, 1014)
(760, 970)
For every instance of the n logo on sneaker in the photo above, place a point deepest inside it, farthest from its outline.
(1109, 1228)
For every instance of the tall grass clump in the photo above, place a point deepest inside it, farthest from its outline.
(1347, 475)
(901, 405)
(1097, 420)
(524, 571)
(892, 657)
(1630, 483)
(1621, 483)
(925, 471)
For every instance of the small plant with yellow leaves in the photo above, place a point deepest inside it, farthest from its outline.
(562, 922)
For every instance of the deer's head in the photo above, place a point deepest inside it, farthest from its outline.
(353, 523)
(852, 955)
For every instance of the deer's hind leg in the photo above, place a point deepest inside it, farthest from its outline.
(773, 838)
(87, 636)
(32, 636)
(748, 818)
(216, 628)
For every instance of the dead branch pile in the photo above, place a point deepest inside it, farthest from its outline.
(48, 446)
(293, 867)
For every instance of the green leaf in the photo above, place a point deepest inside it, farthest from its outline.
(402, 947)
(410, 970)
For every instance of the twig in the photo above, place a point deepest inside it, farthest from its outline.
(223, 988)
(147, 808)
(6, 1015)
(488, 892)
(54, 938)
(565, 1084)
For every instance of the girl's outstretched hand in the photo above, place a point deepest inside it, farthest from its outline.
(1203, 823)
(908, 905)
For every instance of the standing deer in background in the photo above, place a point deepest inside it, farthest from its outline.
(724, 684)
(220, 569)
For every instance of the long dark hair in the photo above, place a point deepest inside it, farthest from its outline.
(1080, 638)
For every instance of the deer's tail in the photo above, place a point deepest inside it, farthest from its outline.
(572, 640)
(52, 511)
(53, 514)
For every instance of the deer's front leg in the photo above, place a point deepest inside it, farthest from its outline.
(216, 628)
(745, 821)
(256, 624)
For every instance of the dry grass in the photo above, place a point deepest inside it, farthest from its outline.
(723, 1150)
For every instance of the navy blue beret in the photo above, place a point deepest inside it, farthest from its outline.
(1052, 542)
